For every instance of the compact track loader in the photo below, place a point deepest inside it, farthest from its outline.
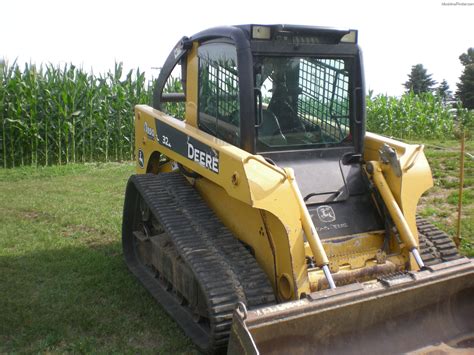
(269, 220)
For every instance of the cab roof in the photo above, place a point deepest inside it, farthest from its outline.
(299, 33)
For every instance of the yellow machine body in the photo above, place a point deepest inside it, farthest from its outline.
(250, 189)
(261, 204)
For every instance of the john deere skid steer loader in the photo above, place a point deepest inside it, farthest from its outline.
(269, 220)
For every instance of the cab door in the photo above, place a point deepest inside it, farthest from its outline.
(218, 91)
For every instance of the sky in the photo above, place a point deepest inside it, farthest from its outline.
(393, 34)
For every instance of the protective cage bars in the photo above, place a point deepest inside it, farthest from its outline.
(219, 95)
(324, 98)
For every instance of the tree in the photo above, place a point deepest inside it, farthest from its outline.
(468, 57)
(419, 80)
(443, 92)
(465, 91)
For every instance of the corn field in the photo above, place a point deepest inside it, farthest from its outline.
(409, 117)
(52, 115)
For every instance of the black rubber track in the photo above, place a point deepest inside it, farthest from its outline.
(224, 269)
(435, 245)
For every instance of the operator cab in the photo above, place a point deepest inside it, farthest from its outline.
(296, 96)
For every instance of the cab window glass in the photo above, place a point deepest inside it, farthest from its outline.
(306, 102)
(175, 85)
(219, 108)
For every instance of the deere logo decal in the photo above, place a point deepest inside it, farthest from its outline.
(208, 159)
(141, 158)
(150, 132)
(187, 146)
(326, 214)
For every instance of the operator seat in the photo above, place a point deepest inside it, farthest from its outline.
(280, 106)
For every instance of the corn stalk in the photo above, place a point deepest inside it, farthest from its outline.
(56, 115)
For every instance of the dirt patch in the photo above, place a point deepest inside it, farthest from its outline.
(92, 238)
(36, 215)
(74, 230)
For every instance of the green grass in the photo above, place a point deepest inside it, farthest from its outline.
(64, 286)
(439, 204)
(63, 283)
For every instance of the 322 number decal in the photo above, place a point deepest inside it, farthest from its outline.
(165, 141)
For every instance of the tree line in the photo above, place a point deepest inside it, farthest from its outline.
(419, 82)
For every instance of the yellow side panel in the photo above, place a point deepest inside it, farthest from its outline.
(144, 144)
(416, 175)
(245, 178)
(258, 229)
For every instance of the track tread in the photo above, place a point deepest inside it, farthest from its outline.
(225, 270)
(435, 245)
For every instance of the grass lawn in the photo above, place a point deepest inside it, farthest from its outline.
(440, 204)
(63, 284)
